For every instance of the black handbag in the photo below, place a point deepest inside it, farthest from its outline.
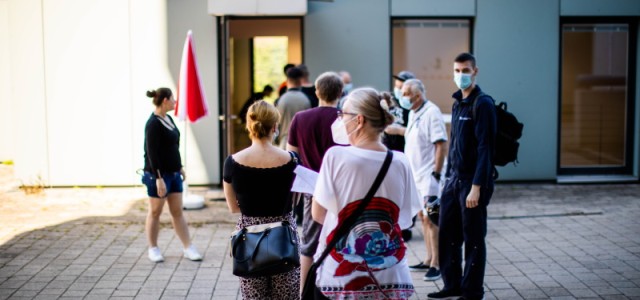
(310, 291)
(265, 249)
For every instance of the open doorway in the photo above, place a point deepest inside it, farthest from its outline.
(254, 52)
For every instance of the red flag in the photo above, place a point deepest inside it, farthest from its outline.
(191, 99)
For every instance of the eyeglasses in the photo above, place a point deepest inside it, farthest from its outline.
(342, 113)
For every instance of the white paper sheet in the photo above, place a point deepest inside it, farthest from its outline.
(305, 181)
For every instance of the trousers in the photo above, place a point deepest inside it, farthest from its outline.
(459, 224)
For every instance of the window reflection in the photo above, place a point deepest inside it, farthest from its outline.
(594, 95)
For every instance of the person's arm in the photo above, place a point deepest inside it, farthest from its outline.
(230, 195)
(292, 143)
(292, 148)
(485, 132)
(317, 211)
(395, 129)
(229, 192)
(152, 136)
(441, 151)
(183, 173)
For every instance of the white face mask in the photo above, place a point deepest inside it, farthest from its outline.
(339, 132)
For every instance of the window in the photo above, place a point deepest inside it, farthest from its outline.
(427, 48)
(595, 96)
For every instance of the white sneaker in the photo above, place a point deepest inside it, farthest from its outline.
(155, 255)
(191, 253)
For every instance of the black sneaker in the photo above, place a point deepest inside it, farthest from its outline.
(448, 295)
(433, 274)
(421, 267)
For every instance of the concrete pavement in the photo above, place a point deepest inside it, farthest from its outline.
(545, 241)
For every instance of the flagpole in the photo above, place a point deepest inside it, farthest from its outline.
(186, 146)
(192, 106)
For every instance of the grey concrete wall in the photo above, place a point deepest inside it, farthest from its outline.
(350, 35)
(600, 8)
(431, 8)
(203, 151)
(517, 45)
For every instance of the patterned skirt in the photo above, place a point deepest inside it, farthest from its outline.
(281, 286)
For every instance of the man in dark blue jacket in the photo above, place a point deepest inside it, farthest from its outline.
(469, 186)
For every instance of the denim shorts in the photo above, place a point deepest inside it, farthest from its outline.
(173, 182)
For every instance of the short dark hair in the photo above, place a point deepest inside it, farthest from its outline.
(294, 73)
(287, 67)
(267, 88)
(304, 69)
(464, 57)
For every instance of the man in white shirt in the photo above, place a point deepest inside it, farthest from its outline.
(425, 147)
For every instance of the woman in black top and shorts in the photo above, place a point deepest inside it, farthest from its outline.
(163, 174)
(257, 183)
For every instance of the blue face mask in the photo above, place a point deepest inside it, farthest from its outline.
(347, 88)
(397, 93)
(405, 102)
(463, 81)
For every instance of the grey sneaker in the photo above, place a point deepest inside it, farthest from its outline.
(432, 274)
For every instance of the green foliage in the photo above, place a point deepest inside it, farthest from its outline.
(270, 54)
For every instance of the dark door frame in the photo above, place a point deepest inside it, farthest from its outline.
(223, 73)
(627, 169)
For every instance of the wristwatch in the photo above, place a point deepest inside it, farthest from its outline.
(436, 175)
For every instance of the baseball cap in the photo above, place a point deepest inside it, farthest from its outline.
(404, 76)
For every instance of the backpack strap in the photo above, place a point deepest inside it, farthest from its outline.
(474, 108)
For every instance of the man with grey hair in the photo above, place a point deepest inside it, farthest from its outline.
(426, 138)
(310, 136)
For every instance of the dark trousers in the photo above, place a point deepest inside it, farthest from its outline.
(458, 225)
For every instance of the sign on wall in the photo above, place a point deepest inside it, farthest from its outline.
(258, 7)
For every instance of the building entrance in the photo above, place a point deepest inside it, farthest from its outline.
(253, 52)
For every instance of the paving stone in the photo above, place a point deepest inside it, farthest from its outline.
(630, 292)
(591, 256)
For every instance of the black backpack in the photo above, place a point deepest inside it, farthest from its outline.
(509, 130)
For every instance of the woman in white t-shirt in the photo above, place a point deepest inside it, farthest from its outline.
(374, 245)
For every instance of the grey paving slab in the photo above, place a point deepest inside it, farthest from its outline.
(544, 241)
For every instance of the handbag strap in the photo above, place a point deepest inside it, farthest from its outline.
(346, 225)
(290, 200)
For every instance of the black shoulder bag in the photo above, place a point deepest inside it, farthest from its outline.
(265, 249)
(310, 290)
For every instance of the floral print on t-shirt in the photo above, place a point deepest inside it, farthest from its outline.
(374, 242)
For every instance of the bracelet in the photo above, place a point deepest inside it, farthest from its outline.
(436, 175)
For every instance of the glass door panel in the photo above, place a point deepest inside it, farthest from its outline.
(594, 99)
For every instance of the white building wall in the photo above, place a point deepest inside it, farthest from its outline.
(27, 90)
(76, 84)
(6, 119)
(87, 67)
